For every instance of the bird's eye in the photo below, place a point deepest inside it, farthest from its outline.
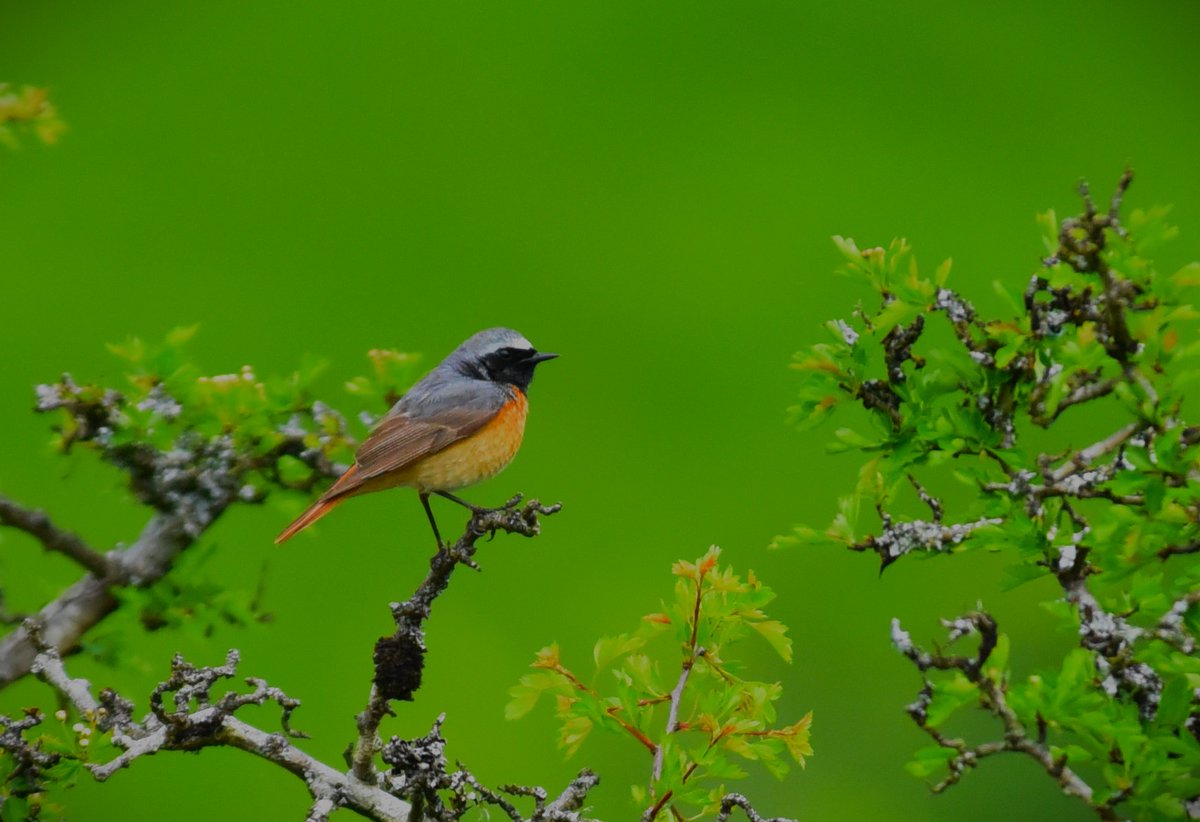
(506, 354)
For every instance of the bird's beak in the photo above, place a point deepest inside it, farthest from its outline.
(541, 356)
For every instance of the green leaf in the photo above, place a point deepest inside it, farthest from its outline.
(526, 694)
(948, 696)
(1015, 576)
(775, 633)
(181, 334)
(930, 760)
(804, 537)
(848, 248)
(1078, 670)
(14, 809)
(1075, 754)
(943, 272)
(897, 312)
(575, 730)
(848, 439)
(609, 648)
(1048, 221)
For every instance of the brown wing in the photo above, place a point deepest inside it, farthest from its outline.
(400, 440)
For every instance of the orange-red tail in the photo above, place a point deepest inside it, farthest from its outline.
(328, 501)
(315, 511)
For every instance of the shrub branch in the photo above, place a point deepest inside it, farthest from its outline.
(53, 538)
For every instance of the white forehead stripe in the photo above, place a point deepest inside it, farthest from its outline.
(514, 341)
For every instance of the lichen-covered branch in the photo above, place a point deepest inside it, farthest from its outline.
(185, 715)
(899, 538)
(400, 658)
(1113, 521)
(189, 481)
(70, 615)
(196, 719)
(419, 772)
(737, 800)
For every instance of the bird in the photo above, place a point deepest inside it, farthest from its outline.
(460, 424)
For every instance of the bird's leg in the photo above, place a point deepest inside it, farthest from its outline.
(474, 509)
(476, 512)
(432, 522)
(477, 509)
(457, 553)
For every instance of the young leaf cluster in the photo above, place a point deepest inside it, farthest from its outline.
(1066, 423)
(694, 713)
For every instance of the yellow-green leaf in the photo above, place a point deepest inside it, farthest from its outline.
(775, 632)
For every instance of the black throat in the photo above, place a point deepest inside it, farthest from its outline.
(511, 366)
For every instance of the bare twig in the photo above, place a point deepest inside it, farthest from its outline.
(694, 653)
(419, 773)
(1081, 243)
(570, 800)
(1086, 392)
(400, 658)
(736, 800)
(1175, 550)
(53, 538)
(877, 395)
(992, 693)
(935, 505)
(1086, 456)
(673, 711)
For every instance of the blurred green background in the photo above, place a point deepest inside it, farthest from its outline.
(648, 189)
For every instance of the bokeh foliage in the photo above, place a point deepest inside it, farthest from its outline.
(27, 110)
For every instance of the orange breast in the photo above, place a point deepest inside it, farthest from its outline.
(476, 458)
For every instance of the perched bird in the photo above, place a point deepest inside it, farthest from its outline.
(460, 424)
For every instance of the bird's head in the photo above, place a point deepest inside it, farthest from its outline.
(500, 355)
